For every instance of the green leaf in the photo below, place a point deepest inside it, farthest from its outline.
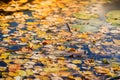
(86, 28)
(83, 15)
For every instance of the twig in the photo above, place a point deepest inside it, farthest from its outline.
(69, 29)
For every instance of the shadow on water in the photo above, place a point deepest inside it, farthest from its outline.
(114, 5)
(102, 9)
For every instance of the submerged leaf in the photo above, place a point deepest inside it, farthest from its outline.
(83, 15)
(86, 28)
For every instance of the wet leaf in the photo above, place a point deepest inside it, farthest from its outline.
(13, 67)
(105, 61)
(61, 47)
(76, 61)
(29, 72)
(113, 17)
(63, 73)
(44, 78)
(13, 74)
(23, 39)
(102, 70)
(21, 73)
(51, 69)
(117, 42)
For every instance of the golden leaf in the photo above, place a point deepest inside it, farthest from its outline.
(76, 61)
(61, 47)
(102, 70)
(63, 73)
(23, 39)
(21, 73)
(13, 74)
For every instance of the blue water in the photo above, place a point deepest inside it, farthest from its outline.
(29, 13)
(13, 24)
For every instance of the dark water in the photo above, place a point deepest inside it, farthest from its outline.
(115, 5)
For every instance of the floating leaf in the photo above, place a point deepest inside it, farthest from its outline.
(76, 61)
(13, 74)
(4, 24)
(21, 73)
(23, 39)
(44, 78)
(113, 17)
(61, 47)
(78, 78)
(102, 70)
(117, 42)
(84, 36)
(2, 68)
(83, 15)
(14, 67)
(86, 28)
(105, 61)
(111, 74)
(33, 46)
(63, 73)
(29, 72)
(51, 69)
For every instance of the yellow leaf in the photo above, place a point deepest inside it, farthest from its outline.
(51, 69)
(117, 42)
(30, 44)
(84, 36)
(22, 1)
(71, 77)
(7, 61)
(3, 56)
(23, 39)
(76, 61)
(21, 73)
(29, 72)
(63, 73)
(9, 78)
(44, 78)
(102, 70)
(86, 72)
(78, 78)
(43, 59)
(13, 74)
(2, 68)
(34, 46)
(55, 69)
(29, 28)
(111, 74)
(63, 68)
(61, 47)
(5, 74)
(4, 25)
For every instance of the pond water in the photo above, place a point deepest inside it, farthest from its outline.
(101, 52)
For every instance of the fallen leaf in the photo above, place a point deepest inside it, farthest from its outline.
(14, 67)
(76, 61)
